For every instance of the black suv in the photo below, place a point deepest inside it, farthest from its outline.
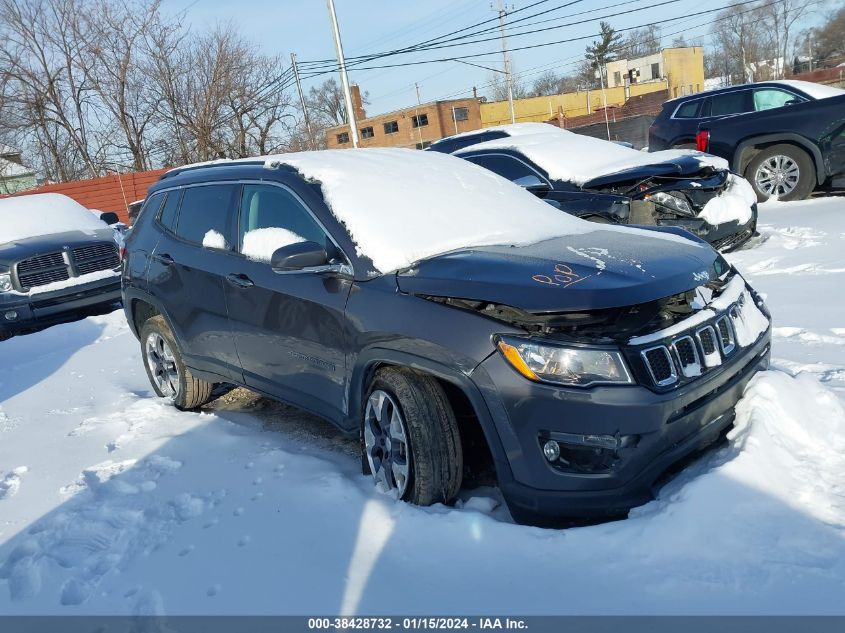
(58, 262)
(785, 153)
(677, 124)
(453, 321)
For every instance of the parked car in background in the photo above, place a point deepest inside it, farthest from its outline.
(452, 321)
(605, 182)
(58, 262)
(785, 153)
(678, 122)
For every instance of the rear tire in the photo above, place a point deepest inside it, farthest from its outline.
(166, 370)
(413, 406)
(785, 171)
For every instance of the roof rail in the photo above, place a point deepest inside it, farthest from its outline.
(226, 162)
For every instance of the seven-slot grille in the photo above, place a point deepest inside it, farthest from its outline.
(62, 265)
(711, 344)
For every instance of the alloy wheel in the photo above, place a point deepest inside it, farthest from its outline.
(778, 175)
(162, 365)
(386, 443)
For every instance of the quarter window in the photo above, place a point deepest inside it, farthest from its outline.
(391, 127)
(206, 213)
(272, 217)
(153, 203)
(419, 120)
(688, 110)
(168, 211)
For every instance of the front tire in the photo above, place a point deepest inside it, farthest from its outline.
(782, 171)
(166, 370)
(410, 438)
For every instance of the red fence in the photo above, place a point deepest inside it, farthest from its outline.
(109, 193)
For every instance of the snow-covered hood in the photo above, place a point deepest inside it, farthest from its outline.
(597, 270)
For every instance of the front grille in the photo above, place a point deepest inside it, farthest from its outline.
(687, 356)
(43, 277)
(52, 267)
(707, 340)
(660, 365)
(51, 260)
(726, 335)
(90, 259)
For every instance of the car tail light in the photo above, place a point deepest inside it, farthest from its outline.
(702, 140)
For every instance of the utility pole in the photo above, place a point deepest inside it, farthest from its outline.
(417, 113)
(302, 101)
(508, 77)
(344, 80)
(604, 98)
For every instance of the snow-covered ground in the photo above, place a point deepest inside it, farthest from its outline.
(112, 502)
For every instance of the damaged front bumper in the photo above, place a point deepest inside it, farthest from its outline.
(615, 442)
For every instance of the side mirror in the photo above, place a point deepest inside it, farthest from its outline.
(533, 184)
(299, 256)
(109, 217)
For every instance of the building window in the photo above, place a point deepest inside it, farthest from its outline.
(655, 71)
(424, 145)
(617, 78)
(367, 132)
(342, 138)
(460, 114)
(391, 127)
(419, 120)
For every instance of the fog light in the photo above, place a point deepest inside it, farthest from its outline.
(551, 450)
(11, 315)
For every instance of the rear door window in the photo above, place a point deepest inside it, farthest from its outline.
(206, 215)
(768, 98)
(730, 103)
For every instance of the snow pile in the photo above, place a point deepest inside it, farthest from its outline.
(260, 244)
(214, 239)
(76, 281)
(576, 158)
(401, 206)
(733, 204)
(43, 214)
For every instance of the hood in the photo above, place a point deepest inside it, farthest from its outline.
(683, 166)
(602, 269)
(11, 252)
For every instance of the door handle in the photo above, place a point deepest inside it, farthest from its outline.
(240, 280)
(164, 258)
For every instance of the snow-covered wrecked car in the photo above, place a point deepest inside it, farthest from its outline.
(58, 261)
(455, 322)
(607, 182)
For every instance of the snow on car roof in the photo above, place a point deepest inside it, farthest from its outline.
(816, 91)
(43, 214)
(511, 129)
(403, 205)
(576, 158)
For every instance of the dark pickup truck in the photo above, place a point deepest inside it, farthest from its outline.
(784, 152)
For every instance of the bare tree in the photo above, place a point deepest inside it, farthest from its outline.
(641, 42)
(780, 17)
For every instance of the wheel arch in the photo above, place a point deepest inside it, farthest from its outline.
(464, 396)
(749, 148)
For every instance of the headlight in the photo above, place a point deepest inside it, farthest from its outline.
(571, 366)
(676, 204)
(5, 282)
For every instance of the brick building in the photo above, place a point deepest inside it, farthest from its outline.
(415, 127)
